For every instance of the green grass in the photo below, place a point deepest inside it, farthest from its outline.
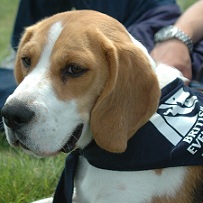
(185, 3)
(7, 17)
(24, 178)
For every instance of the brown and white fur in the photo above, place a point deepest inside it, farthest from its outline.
(84, 67)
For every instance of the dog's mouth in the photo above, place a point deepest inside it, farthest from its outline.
(18, 143)
(70, 145)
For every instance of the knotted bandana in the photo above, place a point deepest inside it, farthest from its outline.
(172, 137)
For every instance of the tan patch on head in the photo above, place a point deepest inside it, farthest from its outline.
(87, 87)
(31, 46)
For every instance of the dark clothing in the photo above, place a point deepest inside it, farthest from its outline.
(172, 137)
(126, 11)
(7, 86)
(31, 11)
(142, 18)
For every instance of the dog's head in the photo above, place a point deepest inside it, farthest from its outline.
(80, 77)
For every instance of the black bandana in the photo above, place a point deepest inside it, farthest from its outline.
(172, 137)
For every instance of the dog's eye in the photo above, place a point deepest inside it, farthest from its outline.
(73, 70)
(26, 61)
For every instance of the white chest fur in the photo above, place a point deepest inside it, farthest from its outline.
(105, 186)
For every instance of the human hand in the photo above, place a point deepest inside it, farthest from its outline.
(174, 53)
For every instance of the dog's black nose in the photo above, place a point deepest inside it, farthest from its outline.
(16, 115)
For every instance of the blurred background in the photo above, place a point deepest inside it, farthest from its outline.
(7, 15)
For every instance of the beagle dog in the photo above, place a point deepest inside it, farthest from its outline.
(83, 77)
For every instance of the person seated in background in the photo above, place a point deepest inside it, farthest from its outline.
(141, 18)
(175, 53)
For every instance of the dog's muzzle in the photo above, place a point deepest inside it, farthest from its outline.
(17, 115)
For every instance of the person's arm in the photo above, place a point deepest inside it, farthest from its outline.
(174, 52)
(191, 21)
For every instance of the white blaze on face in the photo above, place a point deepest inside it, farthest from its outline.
(54, 120)
(37, 79)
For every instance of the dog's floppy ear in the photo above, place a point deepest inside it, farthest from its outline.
(28, 33)
(128, 100)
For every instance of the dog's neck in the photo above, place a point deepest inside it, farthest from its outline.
(165, 74)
